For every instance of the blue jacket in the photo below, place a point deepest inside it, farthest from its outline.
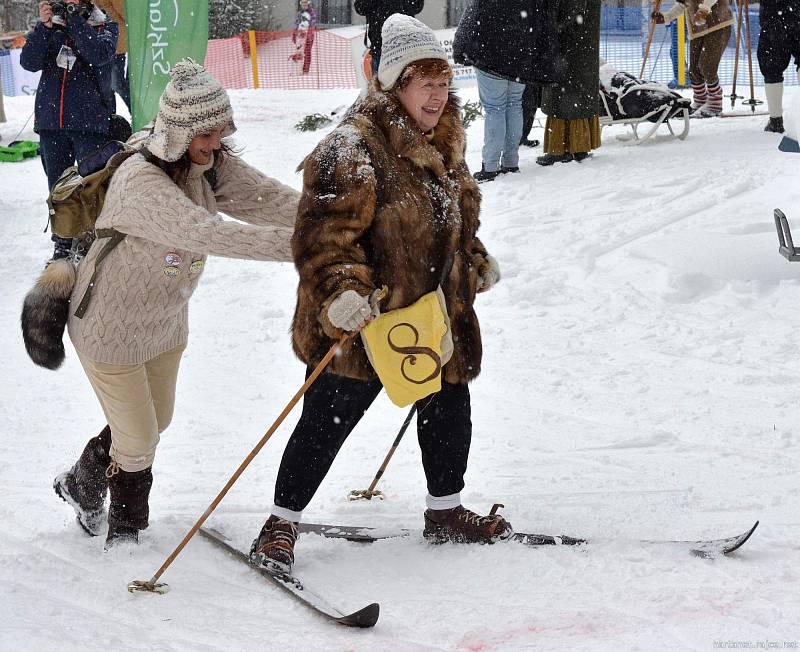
(80, 99)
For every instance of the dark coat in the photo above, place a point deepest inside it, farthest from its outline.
(377, 11)
(780, 11)
(80, 99)
(382, 205)
(579, 44)
(513, 39)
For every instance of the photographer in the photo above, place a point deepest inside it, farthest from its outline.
(73, 45)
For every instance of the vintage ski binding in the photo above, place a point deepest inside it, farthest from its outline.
(786, 248)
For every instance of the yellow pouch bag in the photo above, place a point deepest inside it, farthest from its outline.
(408, 348)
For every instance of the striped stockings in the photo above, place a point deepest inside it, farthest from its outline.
(713, 104)
(699, 95)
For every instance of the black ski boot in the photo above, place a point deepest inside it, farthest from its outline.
(775, 125)
(84, 486)
(273, 548)
(129, 510)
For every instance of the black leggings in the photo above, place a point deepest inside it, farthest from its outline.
(333, 406)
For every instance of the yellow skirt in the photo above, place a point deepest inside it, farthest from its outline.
(562, 136)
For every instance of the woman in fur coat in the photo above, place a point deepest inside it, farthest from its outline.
(387, 200)
(128, 317)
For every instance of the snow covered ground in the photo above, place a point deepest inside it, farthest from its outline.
(640, 381)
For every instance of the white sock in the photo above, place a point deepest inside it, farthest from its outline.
(288, 514)
(443, 502)
(774, 99)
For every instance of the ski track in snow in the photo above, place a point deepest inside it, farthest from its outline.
(639, 382)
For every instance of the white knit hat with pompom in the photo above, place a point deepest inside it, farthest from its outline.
(192, 103)
(405, 40)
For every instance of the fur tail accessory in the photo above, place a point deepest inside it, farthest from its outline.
(45, 312)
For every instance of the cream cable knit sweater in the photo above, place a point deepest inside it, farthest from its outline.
(138, 307)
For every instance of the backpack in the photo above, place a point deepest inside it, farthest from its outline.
(76, 200)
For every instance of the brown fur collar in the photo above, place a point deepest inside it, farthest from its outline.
(384, 111)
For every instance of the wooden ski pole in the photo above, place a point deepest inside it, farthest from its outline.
(656, 8)
(153, 585)
(752, 101)
(733, 95)
(369, 494)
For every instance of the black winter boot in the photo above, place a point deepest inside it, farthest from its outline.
(775, 125)
(483, 175)
(129, 510)
(550, 159)
(84, 486)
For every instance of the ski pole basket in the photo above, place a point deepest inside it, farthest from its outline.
(786, 248)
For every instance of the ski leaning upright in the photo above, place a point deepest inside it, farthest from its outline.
(703, 548)
(366, 617)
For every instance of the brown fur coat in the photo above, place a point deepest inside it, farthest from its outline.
(382, 205)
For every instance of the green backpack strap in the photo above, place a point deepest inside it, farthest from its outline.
(114, 238)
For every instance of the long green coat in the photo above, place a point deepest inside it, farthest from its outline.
(579, 44)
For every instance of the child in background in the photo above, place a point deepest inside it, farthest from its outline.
(708, 25)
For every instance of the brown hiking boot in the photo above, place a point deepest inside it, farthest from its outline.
(461, 525)
(273, 549)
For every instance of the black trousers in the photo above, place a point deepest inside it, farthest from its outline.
(333, 406)
(531, 101)
(778, 42)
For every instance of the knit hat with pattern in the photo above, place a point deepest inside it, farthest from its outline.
(192, 103)
(405, 40)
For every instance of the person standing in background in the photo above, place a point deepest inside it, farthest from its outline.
(74, 100)
(572, 107)
(709, 28)
(778, 42)
(531, 101)
(115, 10)
(376, 12)
(509, 44)
(305, 23)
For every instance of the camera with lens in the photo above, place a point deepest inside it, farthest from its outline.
(62, 10)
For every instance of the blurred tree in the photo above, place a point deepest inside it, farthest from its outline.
(228, 18)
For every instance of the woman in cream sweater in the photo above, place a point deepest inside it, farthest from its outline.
(129, 308)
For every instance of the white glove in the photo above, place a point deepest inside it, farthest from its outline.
(350, 311)
(490, 274)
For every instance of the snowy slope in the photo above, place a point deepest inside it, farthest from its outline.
(640, 380)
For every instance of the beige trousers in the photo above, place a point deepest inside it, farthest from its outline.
(138, 401)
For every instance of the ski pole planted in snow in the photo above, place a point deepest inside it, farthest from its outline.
(752, 102)
(656, 9)
(153, 585)
(733, 96)
(369, 494)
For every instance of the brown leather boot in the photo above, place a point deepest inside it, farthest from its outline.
(129, 510)
(84, 486)
(460, 525)
(273, 549)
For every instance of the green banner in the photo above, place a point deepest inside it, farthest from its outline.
(161, 33)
